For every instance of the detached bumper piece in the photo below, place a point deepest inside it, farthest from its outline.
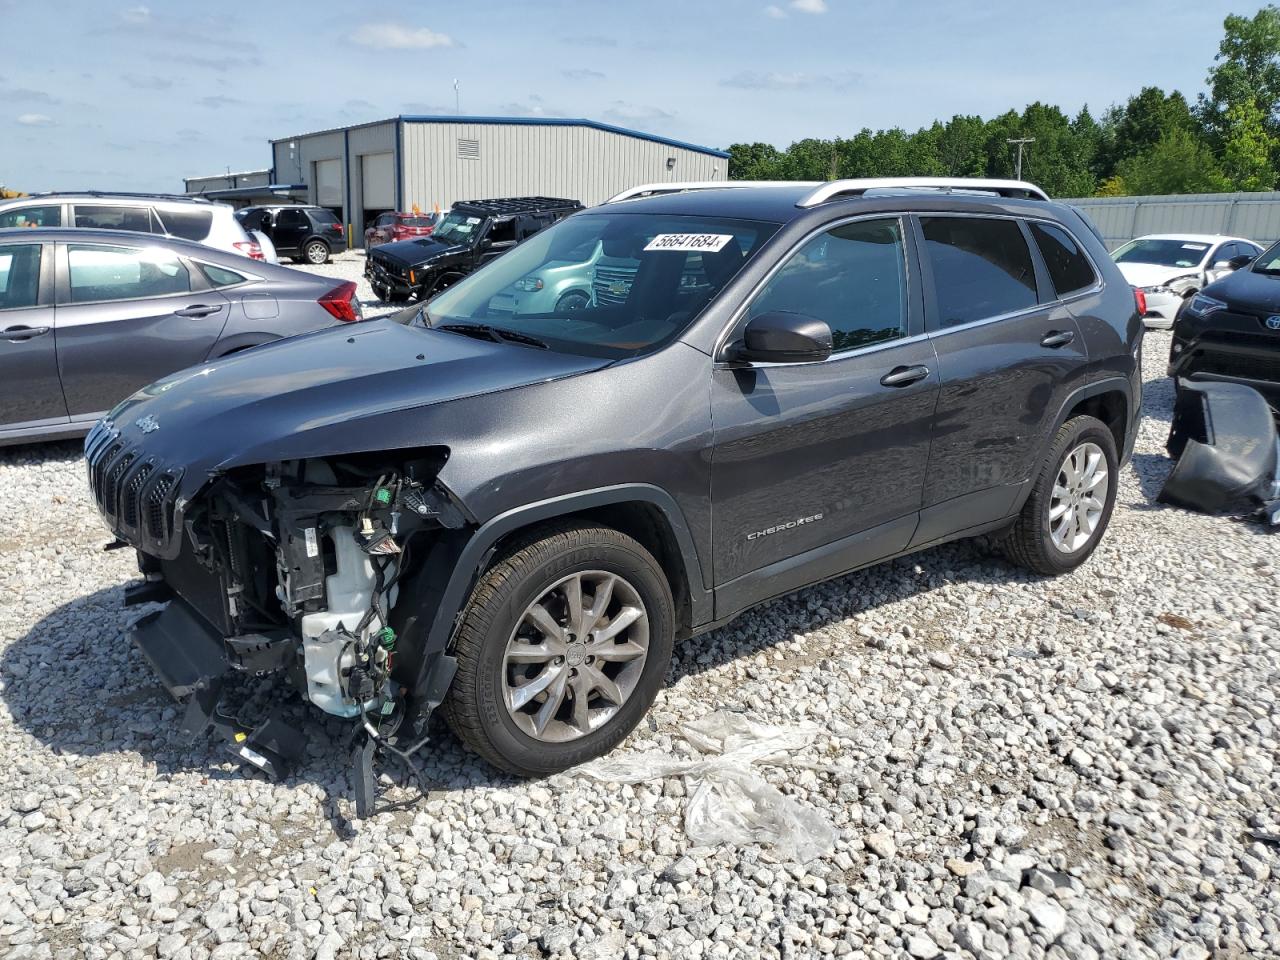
(192, 662)
(1224, 439)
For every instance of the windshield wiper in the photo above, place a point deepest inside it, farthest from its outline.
(485, 332)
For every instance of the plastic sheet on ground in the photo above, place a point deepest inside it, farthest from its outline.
(728, 801)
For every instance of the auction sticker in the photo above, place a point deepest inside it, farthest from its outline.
(689, 242)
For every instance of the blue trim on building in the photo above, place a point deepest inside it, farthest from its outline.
(567, 122)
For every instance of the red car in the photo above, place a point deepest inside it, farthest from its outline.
(398, 226)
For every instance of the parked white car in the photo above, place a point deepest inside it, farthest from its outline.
(186, 218)
(1169, 268)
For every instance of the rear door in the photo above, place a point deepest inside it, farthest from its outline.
(127, 316)
(30, 391)
(1009, 353)
(290, 229)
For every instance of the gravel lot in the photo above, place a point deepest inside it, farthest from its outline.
(1079, 767)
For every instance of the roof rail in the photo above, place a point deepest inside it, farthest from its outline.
(118, 193)
(839, 189)
(657, 189)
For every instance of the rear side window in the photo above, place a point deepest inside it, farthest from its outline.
(854, 277)
(50, 216)
(188, 224)
(1069, 268)
(291, 218)
(105, 217)
(981, 268)
(19, 275)
(221, 276)
(123, 273)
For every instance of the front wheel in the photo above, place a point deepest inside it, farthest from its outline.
(564, 645)
(316, 252)
(573, 300)
(1070, 505)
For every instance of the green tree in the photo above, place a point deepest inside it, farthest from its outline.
(1246, 68)
(1178, 163)
(1145, 119)
(1247, 148)
(754, 161)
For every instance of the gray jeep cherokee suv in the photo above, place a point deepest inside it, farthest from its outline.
(514, 516)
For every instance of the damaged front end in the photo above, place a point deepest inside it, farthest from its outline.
(294, 567)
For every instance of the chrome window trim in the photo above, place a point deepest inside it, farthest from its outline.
(723, 339)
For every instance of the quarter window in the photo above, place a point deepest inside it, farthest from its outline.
(1069, 268)
(49, 216)
(185, 223)
(124, 273)
(981, 268)
(19, 275)
(137, 219)
(853, 277)
(221, 276)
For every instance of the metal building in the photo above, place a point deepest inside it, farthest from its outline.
(396, 164)
(1255, 216)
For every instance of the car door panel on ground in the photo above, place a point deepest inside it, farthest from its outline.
(30, 390)
(1009, 354)
(127, 316)
(825, 458)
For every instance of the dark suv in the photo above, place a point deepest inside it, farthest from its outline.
(515, 516)
(309, 234)
(473, 233)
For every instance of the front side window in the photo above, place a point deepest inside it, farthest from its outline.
(46, 216)
(1069, 268)
(853, 277)
(981, 268)
(124, 273)
(501, 231)
(653, 274)
(19, 275)
(137, 219)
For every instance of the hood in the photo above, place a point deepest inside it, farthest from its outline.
(1247, 291)
(414, 253)
(1151, 274)
(344, 389)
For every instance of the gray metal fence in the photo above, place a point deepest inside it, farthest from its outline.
(1255, 216)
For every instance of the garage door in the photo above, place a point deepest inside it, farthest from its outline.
(378, 181)
(329, 183)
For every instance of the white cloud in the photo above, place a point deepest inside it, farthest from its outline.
(138, 14)
(775, 12)
(809, 6)
(35, 120)
(790, 80)
(394, 36)
(623, 111)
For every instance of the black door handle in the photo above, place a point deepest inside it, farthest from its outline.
(197, 310)
(18, 334)
(1057, 338)
(903, 376)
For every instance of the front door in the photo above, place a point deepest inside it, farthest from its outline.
(30, 391)
(128, 316)
(1009, 353)
(819, 467)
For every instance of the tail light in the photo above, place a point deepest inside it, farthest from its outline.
(1140, 300)
(335, 227)
(250, 248)
(341, 302)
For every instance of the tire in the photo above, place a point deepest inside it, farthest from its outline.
(316, 252)
(573, 300)
(481, 706)
(1038, 540)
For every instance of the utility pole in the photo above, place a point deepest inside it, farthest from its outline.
(1020, 142)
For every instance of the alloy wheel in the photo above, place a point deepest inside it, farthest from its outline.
(1079, 497)
(575, 656)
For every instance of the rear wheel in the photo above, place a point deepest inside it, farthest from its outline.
(563, 647)
(1070, 505)
(316, 251)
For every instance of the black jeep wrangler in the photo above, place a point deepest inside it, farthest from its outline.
(513, 516)
(473, 233)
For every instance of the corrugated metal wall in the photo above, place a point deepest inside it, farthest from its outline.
(1255, 216)
(579, 163)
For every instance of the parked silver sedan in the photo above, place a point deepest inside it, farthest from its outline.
(87, 317)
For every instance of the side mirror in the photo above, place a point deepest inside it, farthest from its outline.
(780, 337)
(1235, 263)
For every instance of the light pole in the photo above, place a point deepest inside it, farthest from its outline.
(457, 100)
(1018, 174)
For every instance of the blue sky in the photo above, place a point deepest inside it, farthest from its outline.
(137, 94)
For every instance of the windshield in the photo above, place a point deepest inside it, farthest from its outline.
(1162, 253)
(1268, 261)
(457, 228)
(602, 284)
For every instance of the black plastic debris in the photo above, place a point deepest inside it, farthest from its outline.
(1224, 441)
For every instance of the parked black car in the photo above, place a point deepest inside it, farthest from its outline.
(516, 516)
(1230, 330)
(89, 316)
(473, 233)
(306, 234)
